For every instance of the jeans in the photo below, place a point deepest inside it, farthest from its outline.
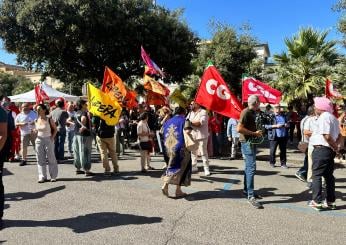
(304, 170)
(249, 152)
(82, 152)
(323, 165)
(70, 135)
(282, 143)
(59, 145)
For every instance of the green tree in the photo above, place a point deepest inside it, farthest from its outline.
(74, 40)
(12, 84)
(230, 52)
(301, 71)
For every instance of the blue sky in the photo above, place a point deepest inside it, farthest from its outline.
(271, 20)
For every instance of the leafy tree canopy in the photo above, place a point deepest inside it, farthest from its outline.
(74, 40)
(230, 52)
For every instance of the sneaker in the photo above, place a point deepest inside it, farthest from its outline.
(207, 172)
(284, 166)
(300, 177)
(41, 181)
(254, 203)
(22, 163)
(315, 205)
(255, 195)
(329, 205)
(52, 180)
(107, 174)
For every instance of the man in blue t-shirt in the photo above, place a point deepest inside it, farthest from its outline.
(277, 136)
(3, 137)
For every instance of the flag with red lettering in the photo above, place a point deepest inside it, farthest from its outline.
(152, 67)
(265, 93)
(330, 91)
(40, 94)
(214, 94)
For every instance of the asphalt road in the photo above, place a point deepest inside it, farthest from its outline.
(130, 208)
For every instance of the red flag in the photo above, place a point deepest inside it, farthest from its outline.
(40, 94)
(265, 93)
(214, 94)
(330, 91)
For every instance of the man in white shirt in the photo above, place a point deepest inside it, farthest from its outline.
(199, 122)
(325, 140)
(26, 123)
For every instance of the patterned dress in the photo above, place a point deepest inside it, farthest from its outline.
(179, 166)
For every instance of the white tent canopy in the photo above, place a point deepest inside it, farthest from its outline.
(51, 92)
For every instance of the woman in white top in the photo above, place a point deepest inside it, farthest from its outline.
(144, 135)
(46, 131)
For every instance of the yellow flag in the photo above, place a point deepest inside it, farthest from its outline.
(179, 98)
(102, 105)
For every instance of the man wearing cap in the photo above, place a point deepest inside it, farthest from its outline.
(277, 136)
(325, 141)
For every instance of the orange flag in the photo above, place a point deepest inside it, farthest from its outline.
(113, 85)
(156, 87)
(156, 99)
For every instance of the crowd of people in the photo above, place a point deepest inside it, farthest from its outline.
(162, 130)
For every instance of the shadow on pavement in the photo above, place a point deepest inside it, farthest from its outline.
(5, 172)
(88, 222)
(19, 196)
(226, 194)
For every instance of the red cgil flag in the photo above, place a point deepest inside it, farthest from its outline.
(330, 91)
(214, 94)
(265, 93)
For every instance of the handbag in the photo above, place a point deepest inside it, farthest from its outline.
(302, 146)
(190, 143)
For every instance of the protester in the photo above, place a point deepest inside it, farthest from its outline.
(82, 139)
(199, 122)
(10, 128)
(105, 137)
(70, 124)
(247, 129)
(309, 127)
(325, 140)
(26, 122)
(165, 114)
(292, 119)
(46, 131)
(144, 136)
(277, 136)
(59, 115)
(233, 136)
(179, 166)
(121, 133)
(302, 173)
(3, 155)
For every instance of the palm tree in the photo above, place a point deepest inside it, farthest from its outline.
(301, 72)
